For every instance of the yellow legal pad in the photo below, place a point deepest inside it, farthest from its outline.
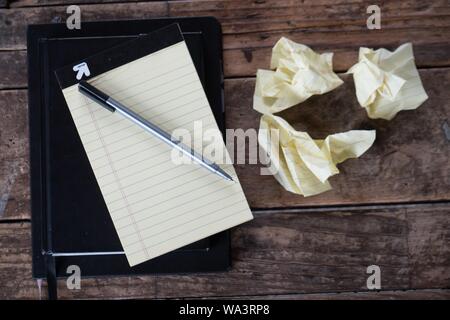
(156, 205)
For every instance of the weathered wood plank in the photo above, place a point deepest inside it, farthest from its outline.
(13, 22)
(430, 50)
(278, 253)
(14, 69)
(14, 164)
(251, 9)
(305, 252)
(436, 294)
(432, 248)
(43, 3)
(392, 171)
(251, 28)
(306, 9)
(408, 161)
(3, 3)
(15, 262)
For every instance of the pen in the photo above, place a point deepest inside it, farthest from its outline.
(112, 105)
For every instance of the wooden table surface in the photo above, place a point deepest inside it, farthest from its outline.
(388, 208)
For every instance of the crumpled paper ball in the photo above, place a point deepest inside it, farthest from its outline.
(387, 82)
(300, 73)
(302, 164)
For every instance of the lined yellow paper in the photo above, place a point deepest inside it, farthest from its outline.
(387, 82)
(300, 73)
(156, 205)
(303, 165)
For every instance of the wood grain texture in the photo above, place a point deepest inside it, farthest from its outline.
(251, 28)
(44, 3)
(280, 253)
(433, 247)
(244, 61)
(13, 22)
(15, 263)
(14, 69)
(14, 164)
(430, 294)
(408, 161)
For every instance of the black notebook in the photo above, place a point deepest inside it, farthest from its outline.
(70, 222)
(158, 200)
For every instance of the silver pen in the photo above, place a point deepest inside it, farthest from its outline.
(112, 105)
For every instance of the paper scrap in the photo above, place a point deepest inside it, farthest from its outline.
(387, 82)
(300, 73)
(303, 165)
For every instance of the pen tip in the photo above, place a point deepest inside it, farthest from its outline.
(227, 176)
(222, 173)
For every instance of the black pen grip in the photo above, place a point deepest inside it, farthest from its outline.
(94, 94)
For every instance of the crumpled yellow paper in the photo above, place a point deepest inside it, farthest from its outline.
(300, 73)
(302, 164)
(387, 82)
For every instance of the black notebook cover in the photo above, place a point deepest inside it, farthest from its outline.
(70, 221)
